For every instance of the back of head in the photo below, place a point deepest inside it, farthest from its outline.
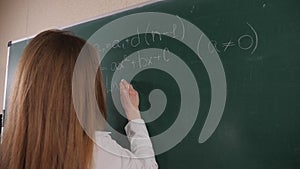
(42, 129)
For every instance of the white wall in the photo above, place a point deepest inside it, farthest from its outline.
(24, 18)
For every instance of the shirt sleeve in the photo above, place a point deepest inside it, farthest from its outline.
(140, 156)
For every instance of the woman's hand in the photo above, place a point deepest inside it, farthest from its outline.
(129, 100)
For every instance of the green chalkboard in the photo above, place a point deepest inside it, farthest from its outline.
(221, 76)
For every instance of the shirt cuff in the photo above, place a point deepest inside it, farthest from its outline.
(136, 128)
(137, 121)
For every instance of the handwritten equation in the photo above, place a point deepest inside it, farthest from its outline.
(139, 61)
(245, 42)
(139, 40)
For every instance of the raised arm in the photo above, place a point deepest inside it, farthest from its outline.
(141, 155)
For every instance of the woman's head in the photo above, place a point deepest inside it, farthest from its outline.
(42, 128)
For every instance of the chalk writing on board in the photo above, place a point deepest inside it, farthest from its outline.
(176, 30)
(137, 61)
(132, 36)
(244, 42)
(192, 10)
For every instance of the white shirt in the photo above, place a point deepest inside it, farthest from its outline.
(110, 155)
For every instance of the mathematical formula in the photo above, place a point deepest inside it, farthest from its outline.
(245, 42)
(138, 61)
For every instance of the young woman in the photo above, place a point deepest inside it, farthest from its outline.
(43, 130)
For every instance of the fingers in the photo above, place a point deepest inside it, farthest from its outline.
(124, 84)
(125, 87)
(132, 91)
(129, 100)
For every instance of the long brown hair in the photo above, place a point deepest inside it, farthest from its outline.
(42, 129)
